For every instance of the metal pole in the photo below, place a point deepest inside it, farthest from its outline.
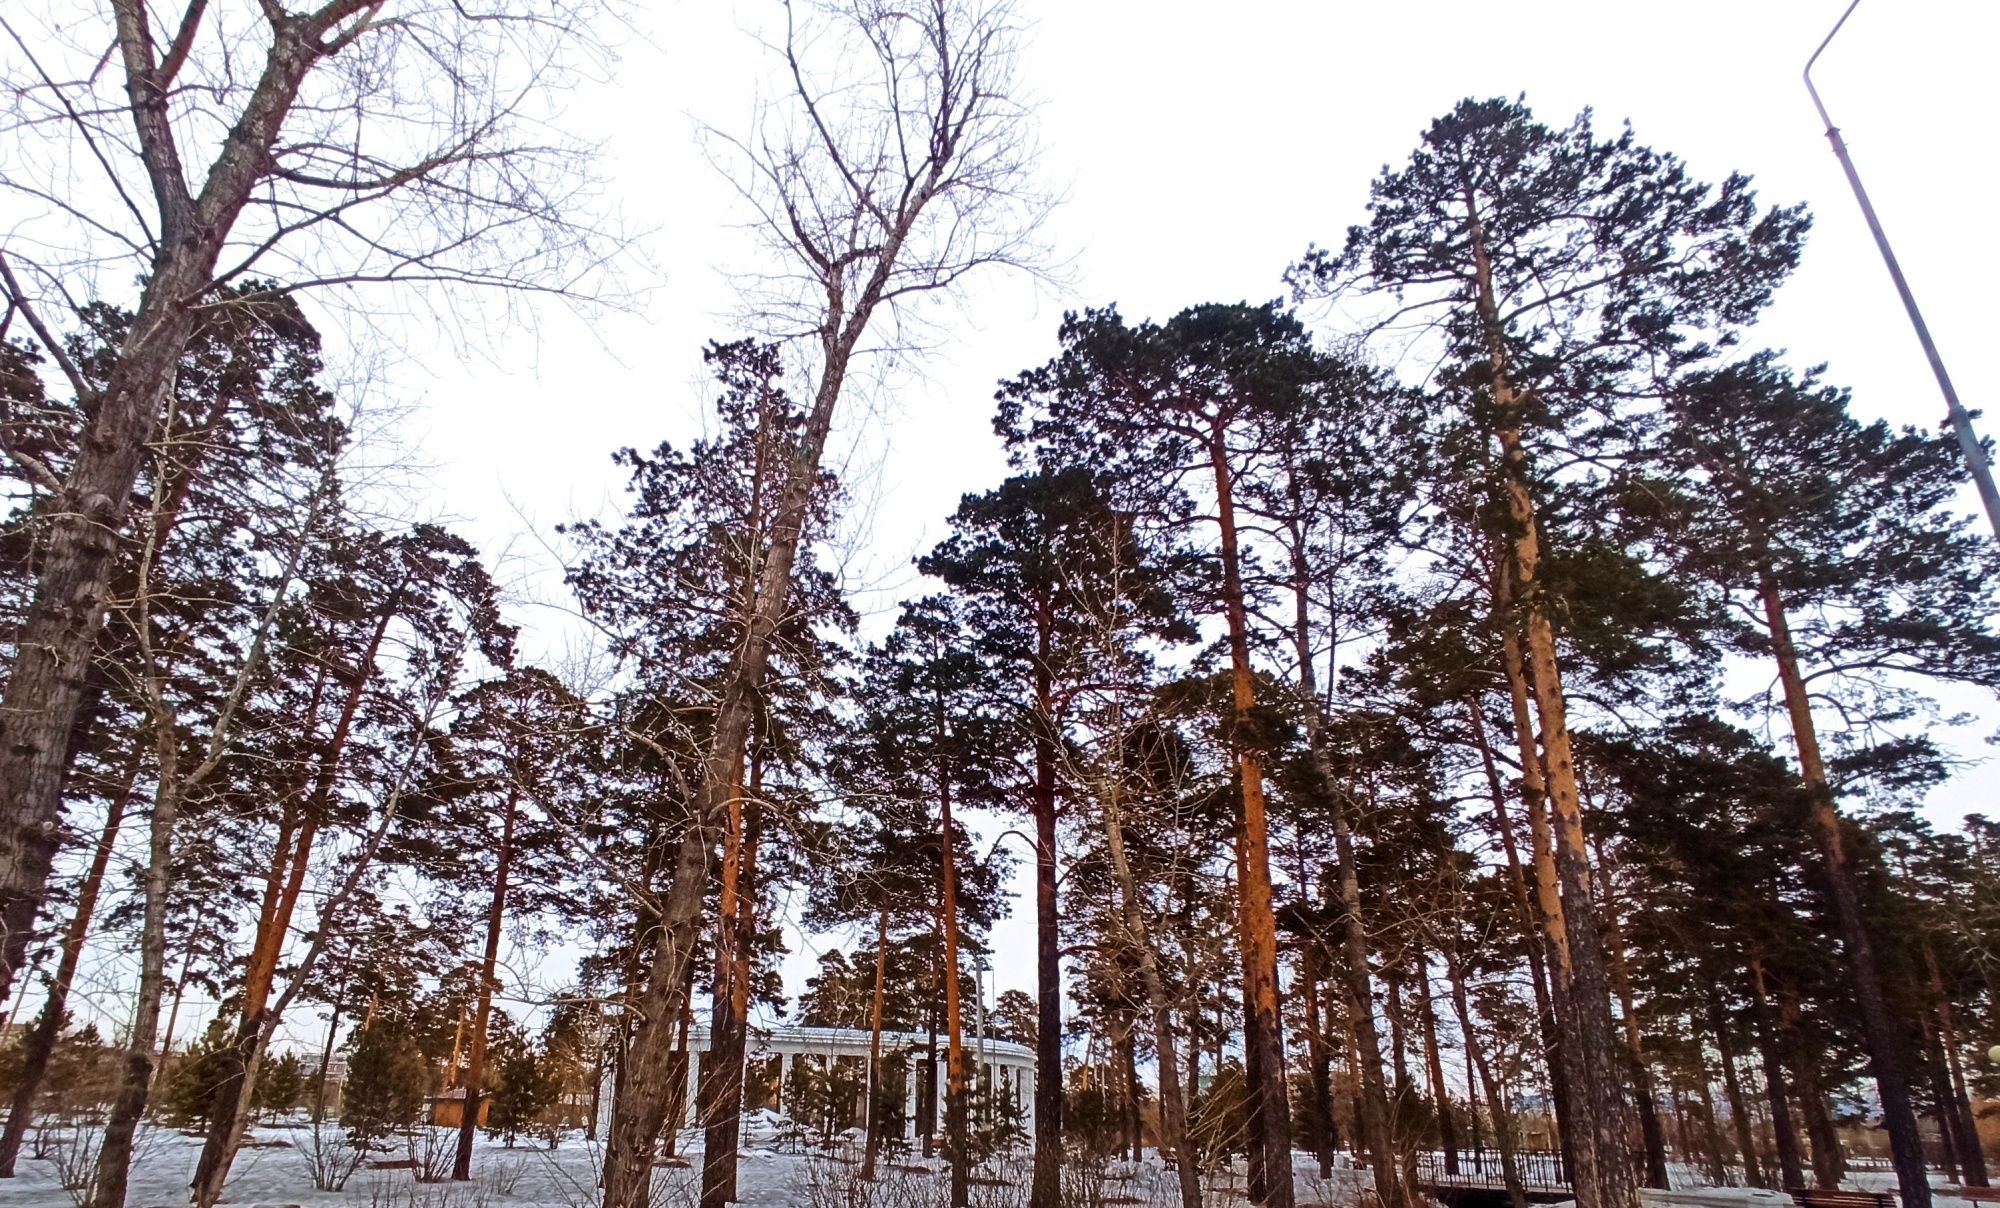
(1961, 423)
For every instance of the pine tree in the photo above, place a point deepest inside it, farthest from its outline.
(1839, 538)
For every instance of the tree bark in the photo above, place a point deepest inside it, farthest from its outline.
(40, 1043)
(1565, 1059)
(1885, 1056)
(45, 686)
(1604, 1176)
(1496, 1102)
(482, 1012)
(1045, 1189)
(873, 1144)
(1974, 1164)
(114, 1153)
(1434, 1066)
(1732, 1087)
(1173, 1110)
(1790, 1168)
(736, 925)
(1260, 938)
(961, 1164)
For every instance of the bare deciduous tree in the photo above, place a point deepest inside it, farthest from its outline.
(897, 163)
(354, 142)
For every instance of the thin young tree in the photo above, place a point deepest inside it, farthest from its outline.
(896, 164)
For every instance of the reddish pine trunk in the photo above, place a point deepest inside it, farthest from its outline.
(1885, 1056)
(40, 1044)
(1603, 1173)
(1260, 935)
(1531, 923)
(874, 1142)
(239, 1077)
(722, 1118)
(1790, 1168)
(1434, 1067)
(961, 1166)
(475, 1068)
(1732, 1087)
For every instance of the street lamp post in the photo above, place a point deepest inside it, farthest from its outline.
(1961, 423)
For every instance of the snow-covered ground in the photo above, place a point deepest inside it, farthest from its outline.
(277, 1171)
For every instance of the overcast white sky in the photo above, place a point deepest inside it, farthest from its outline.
(1201, 147)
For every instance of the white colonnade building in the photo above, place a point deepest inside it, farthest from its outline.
(1006, 1067)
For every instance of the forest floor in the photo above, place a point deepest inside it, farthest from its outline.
(277, 1170)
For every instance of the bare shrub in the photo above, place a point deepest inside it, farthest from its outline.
(331, 1154)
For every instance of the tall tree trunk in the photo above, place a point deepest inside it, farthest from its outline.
(40, 1044)
(1718, 1162)
(1604, 1177)
(1974, 1164)
(1732, 1086)
(1371, 1095)
(236, 1085)
(114, 1151)
(1173, 1110)
(961, 1158)
(482, 1012)
(1644, 1088)
(1537, 935)
(873, 1144)
(640, 1109)
(736, 925)
(1496, 1102)
(1045, 1189)
(1790, 1169)
(1260, 938)
(927, 1105)
(1885, 1056)
(1827, 1164)
(1434, 1066)
(1256, 1159)
(1567, 1072)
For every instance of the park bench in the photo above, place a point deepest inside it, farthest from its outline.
(1978, 1195)
(1815, 1197)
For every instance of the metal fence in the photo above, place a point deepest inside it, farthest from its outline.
(1538, 1168)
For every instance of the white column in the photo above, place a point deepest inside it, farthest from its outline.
(1028, 1098)
(784, 1104)
(910, 1084)
(692, 1112)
